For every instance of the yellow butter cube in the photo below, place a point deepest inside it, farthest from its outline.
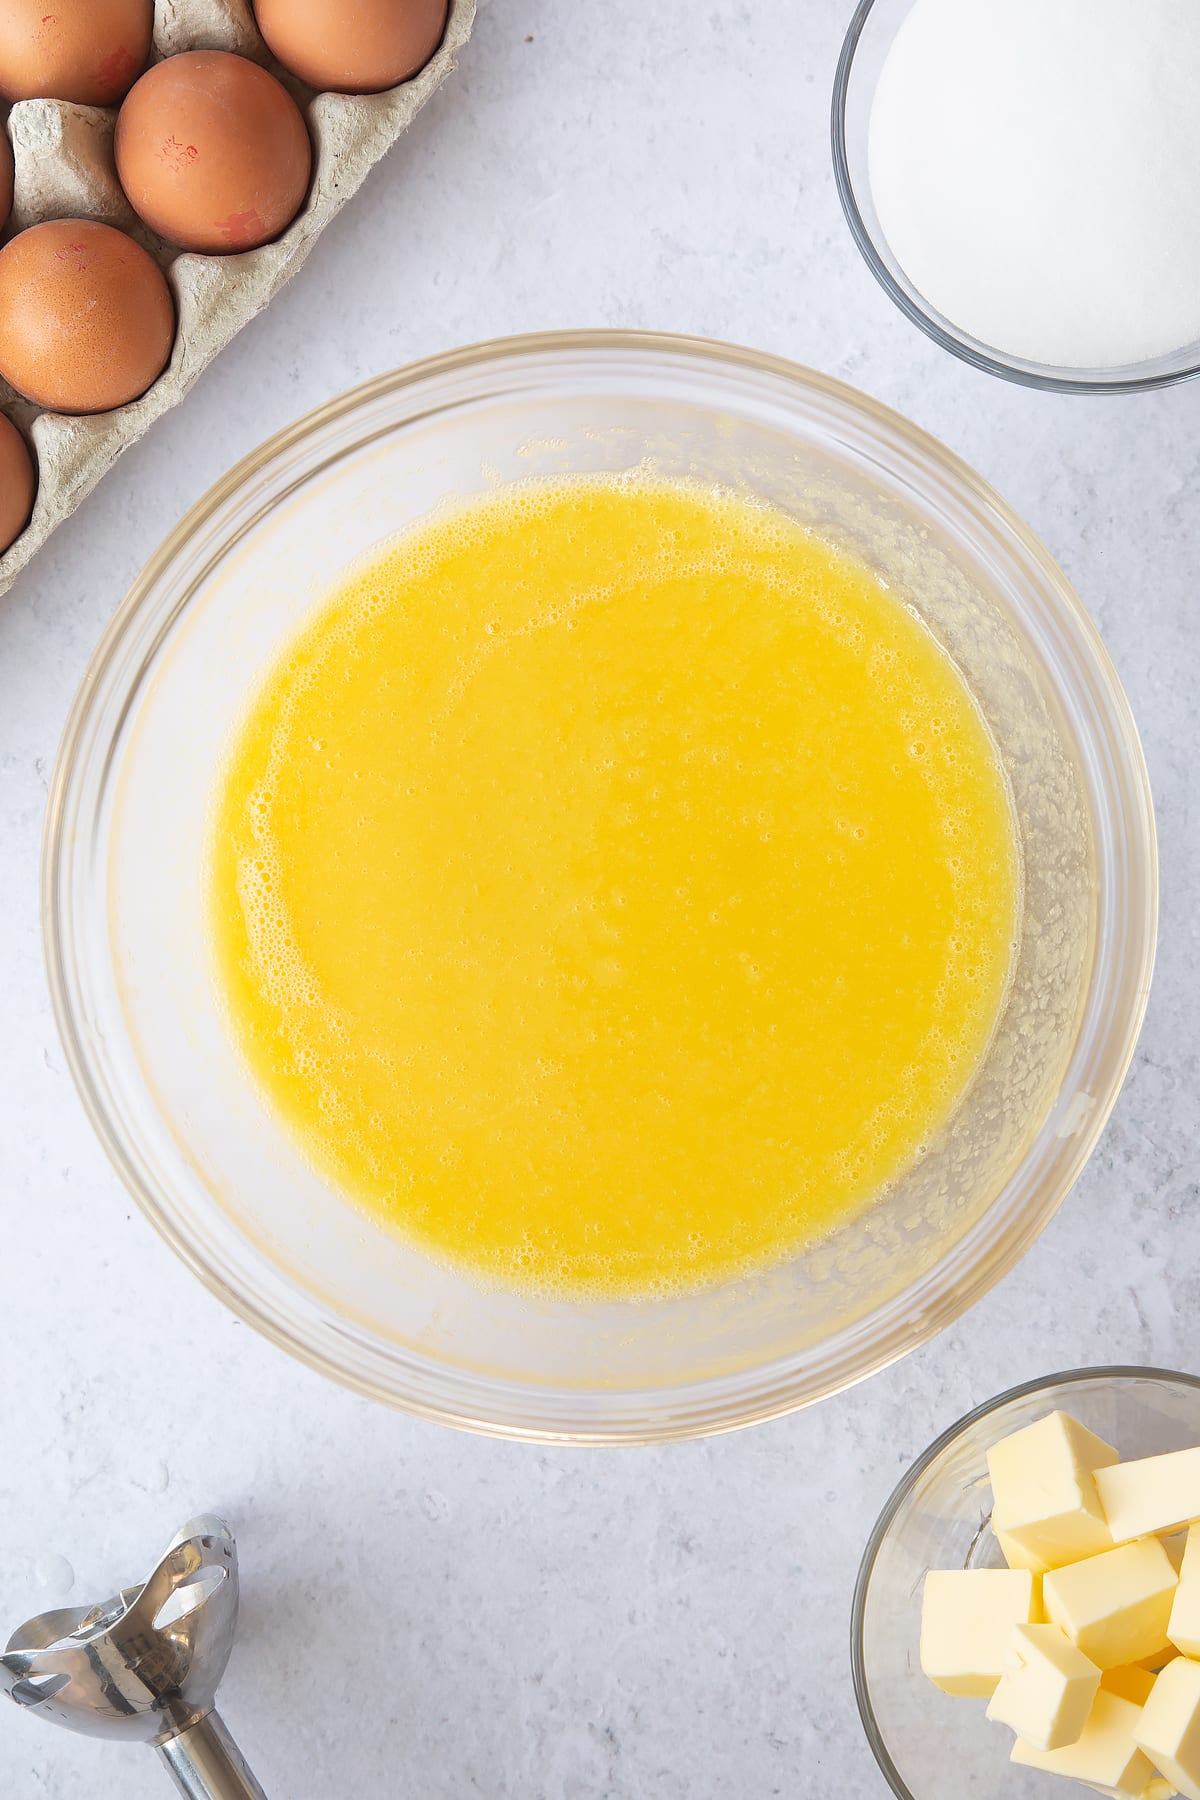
(1014, 1553)
(1156, 1494)
(1169, 1728)
(1015, 1557)
(1045, 1506)
(1115, 1606)
(1184, 1626)
(1106, 1755)
(1132, 1682)
(1046, 1694)
(1158, 1789)
(967, 1619)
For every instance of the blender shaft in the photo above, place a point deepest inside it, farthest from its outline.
(207, 1765)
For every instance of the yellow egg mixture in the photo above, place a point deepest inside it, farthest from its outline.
(613, 886)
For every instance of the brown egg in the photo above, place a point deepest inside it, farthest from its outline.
(17, 483)
(91, 51)
(6, 178)
(352, 49)
(86, 316)
(213, 153)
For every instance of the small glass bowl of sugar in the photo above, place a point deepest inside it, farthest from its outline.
(1023, 179)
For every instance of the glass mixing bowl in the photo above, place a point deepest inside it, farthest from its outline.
(868, 40)
(124, 915)
(930, 1745)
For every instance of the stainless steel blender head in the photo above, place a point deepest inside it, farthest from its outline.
(145, 1665)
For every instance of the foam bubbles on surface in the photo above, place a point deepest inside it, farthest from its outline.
(613, 886)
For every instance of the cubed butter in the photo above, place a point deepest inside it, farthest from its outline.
(1046, 1693)
(1156, 1494)
(1045, 1504)
(1131, 1681)
(1014, 1553)
(1184, 1626)
(1116, 1606)
(1159, 1789)
(967, 1619)
(1169, 1728)
(1106, 1755)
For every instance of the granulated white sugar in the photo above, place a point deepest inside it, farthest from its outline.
(1035, 167)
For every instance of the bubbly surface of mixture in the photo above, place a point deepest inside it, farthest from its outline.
(613, 887)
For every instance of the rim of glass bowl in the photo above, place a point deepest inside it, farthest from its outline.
(862, 1689)
(1159, 372)
(1071, 652)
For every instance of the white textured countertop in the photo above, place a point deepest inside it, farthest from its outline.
(431, 1613)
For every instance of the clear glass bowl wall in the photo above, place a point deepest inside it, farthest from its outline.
(929, 1745)
(124, 917)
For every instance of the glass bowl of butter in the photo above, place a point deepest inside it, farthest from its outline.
(1026, 1586)
(125, 892)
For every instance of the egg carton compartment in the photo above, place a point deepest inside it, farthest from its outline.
(64, 168)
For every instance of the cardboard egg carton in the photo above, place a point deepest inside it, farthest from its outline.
(65, 169)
